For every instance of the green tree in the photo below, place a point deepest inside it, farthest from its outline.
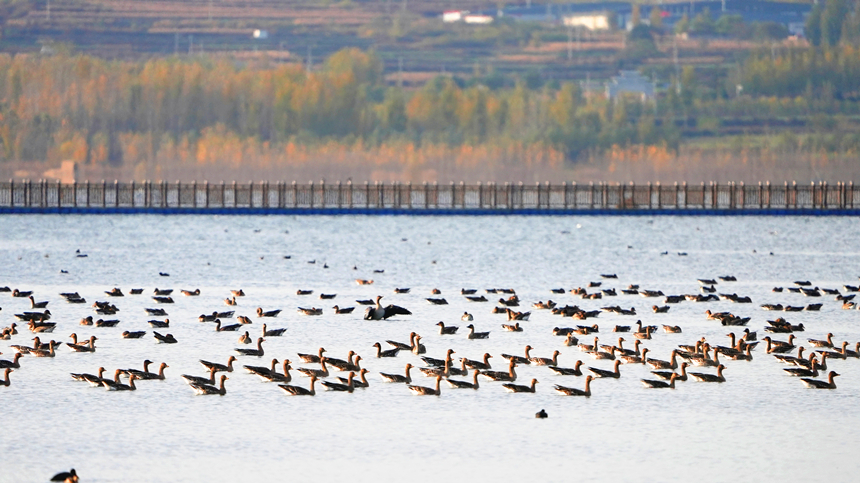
(656, 17)
(834, 14)
(813, 25)
(635, 15)
(702, 23)
(682, 25)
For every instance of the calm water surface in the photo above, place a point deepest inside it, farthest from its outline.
(759, 426)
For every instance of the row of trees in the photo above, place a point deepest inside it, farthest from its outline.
(114, 112)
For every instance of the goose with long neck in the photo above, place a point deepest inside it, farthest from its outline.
(822, 343)
(318, 373)
(207, 390)
(509, 376)
(427, 391)
(568, 371)
(483, 365)
(433, 371)
(520, 359)
(340, 364)
(298, 390)
(710, 377)
(546, 361)
(49, 352)
(13, 364)
(636, 359)
(201, 380)
(835, 353)
(5, 381)
(431, 361)
(417, 347)
(88, 346)
(589, 348)
(517, 388)
(604, 373)
(110, 383)
(385, 353)
(816, 384)
(336, 386)
(572, 391)
(154, 375)
(361, 383)
(660, 364)
(274, 376)
(220, 367)
(124, 387)
(666, 375)
(311, 358)
(258, 352)
(811, 371)
(397, 377)
(651, 384)
(465, 384)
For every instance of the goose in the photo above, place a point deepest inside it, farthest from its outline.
(310, 311)
(476, 335)
(164, 300)
(778, 346)
(118, 386)
(483, 365)
(134, 291)
(854, 354)
(512, 328)
(509, 376)
(37, 305)
(21, 294)
(417, 346)
(380, 313)
(604, 373)
(634, 358)
(467, 317)
(149, 376)
(246, 338)
(89, 346)
(427, 391)
(327, 296)
(600, 355)
(513, 316)
(447, 330)
(432, 371)
(262, 369)
(37, 344)
(476, 298)
(166, 291)
(231, 301)
(546, 361)
(437, 301)
(344, 365)
(34, 316)
(519, 388)
(812, 371)
(66, 476)
(659, 364)
(465, 384)
(220, 367)
(253, 352)
(207, 390)
(666, 375)
(433, 362)
(14, 364)
(304, 292)
(402, 290)
(361, 383)
(570, 340)
(318, 373)
(791, 360)
(520, 359)
(660, 309)
(226, 328)
(838, 354)
(312, 357)
(817, 384)
(566, 371)
(108, 383)
(336, 386)
(589, 348)
(156, 312)
(822, 343)
(651, 384)
(94, 380)
(107, 323)
(344, 310)
(397, 377)
(643, 335)
(365, 302)
(706, 361)
(298, 390)
(164, 339)
(743, 356)
(238, 293)
(49, 352)
(157, 324)
(201, 380)
(5, 381)
(571, 391)
(710, 377)
(672, 329)
(270, 313)
(401, 345)
(385, 353)
(191, 293)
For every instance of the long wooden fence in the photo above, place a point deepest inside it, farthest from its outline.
(50, 196)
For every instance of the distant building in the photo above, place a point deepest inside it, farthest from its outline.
(66, 173)
(591, 21)
(451, 16)
(630, 82)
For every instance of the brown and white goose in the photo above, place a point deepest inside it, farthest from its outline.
(660, 364)
(476, 335)
(449, 330)
(220, 367)
(89, 346)
(604, 373)
(635, 359)
(336, 386)
(385, 353)
(483, 365)
(510, 376)
(465, 384)
(397, 377)
(311, 358)
(567, 371)
(651, 384)
(546, 361)
(298, 390)
(520, 388)
(13, 364)
(427, 391)
(207, 390)
(520, 359)
(710, 377)
(822, 343)
(359, 384)
(817, 384)
(258, 352)
(273, 332)
(572, 391)
(318, 373)
(201, 380)
(666, 375)
(5, 381)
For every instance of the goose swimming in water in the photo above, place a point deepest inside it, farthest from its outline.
(427, 391)
(520, 388)
(318, 373)
(483, 365)
(200, 380)
(397, 377)
(273, 332)
(467, 317)
(37, 305)
(476, 335)
(89, 346)
(258, 352)
(383, 313)
(207, 390)
(666, 375)
(651, 384)
(817, 384)
(270, 313)
(220, 367)
(122, 387)
(546, 361)
(360, 384)
(344, 310)
(660, 364)
(5, 381)
(604, 373)
(336, 386)
(512, 328)
(567, 371)
(311, 358)
(571, 391)
(94, 380)
(298, 390)
(13, 364)
(710, 377)
(165, 339)
(520, 359)
(447, 330)
(385, 353)
(157, 324)
(246, 338)
(433, 362)
(226, 328)
(509, 376)
(465, 384)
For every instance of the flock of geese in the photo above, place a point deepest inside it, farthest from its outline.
(461, 373)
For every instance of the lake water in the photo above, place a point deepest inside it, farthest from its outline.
(760, 425)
